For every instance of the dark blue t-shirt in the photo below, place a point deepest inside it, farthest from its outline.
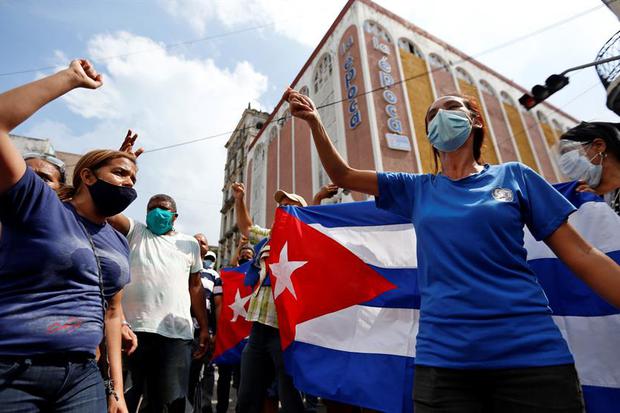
(50, 298)
(482, 306)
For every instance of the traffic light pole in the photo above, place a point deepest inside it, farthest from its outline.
(554, 83)
(595, 63)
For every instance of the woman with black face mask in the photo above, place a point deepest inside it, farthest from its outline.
(61, 266)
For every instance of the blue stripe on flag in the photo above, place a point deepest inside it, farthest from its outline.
(576, 198)
(567, 294)
(353, 214)
(232, 355)
(359, 379)
(601, 399)
(405, 295)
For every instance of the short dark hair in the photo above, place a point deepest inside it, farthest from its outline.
(163, 197)
(586, 132)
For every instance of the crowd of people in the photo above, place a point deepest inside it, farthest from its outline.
(100, 312)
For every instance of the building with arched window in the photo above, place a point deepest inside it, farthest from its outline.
(373, 76)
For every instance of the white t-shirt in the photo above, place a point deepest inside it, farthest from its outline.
(157, 300)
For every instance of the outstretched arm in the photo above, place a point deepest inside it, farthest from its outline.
(244, 222)
(338, 170)
(596, 269)
(20, 103)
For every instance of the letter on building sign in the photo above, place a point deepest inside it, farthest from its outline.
(391, 111)
(347, 45)
(395, 125)
(398, 142)
(386, 79)
(382, 47)
(355, 120)
(390, 97)
(384, 65)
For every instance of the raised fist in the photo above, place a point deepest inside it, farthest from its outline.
(238, 190)
(85, 74)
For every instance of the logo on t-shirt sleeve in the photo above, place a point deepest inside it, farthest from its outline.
(503, 195)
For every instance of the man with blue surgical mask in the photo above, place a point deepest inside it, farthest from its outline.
(157, 307)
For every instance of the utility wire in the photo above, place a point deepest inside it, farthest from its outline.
(166, 46)
(425, 73)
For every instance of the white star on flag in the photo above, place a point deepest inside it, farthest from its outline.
(283, 270)
(238, 306)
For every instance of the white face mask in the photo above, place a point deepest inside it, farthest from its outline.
(576, 166)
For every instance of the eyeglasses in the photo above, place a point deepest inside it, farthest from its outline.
(59, 164)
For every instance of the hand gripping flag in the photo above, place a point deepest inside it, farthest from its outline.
(344, 282)
(232, 327)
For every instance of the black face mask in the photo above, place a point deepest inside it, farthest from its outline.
(111, 199)
(243, 261)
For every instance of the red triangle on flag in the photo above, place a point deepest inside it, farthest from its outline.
(235, 296)
(324, 275)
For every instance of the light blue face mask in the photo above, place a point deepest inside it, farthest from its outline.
(449, 130)
(159, 221)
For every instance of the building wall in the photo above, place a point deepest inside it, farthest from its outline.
(366, 53)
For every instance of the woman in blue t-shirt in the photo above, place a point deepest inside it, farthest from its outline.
(61, 265)
(486, 340)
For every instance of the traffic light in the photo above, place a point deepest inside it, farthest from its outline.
(540, 92)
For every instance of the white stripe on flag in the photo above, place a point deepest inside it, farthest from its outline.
(363, 329)
(603, 233)
(594, 344)
(384, 246)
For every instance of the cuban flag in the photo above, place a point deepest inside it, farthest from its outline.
(232, 326)
(345, 287)
(590, 325)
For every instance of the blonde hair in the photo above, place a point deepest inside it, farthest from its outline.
(93, 160)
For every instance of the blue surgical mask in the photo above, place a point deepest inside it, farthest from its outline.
(159, 221)
(449, 130)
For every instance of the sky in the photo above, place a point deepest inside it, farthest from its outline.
(177, 70)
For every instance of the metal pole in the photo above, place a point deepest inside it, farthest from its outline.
(595, 63)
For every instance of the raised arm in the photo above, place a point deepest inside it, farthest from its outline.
(244, 222)
(593, 267)
(120, 222)
(338, 170)
(234, 260)
(20, 103)
(326, 191)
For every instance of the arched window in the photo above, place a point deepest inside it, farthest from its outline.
(409, 47)
(507, 99)
(323, 72)
(304, 90)
(437, 62)
(542, 117)
(377, 30)
(487, 88)
(463, 75)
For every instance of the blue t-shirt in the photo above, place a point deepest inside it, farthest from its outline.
(481, 304)
(50, 299)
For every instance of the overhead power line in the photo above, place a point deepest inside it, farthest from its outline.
(166, 46)
(425, 73)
